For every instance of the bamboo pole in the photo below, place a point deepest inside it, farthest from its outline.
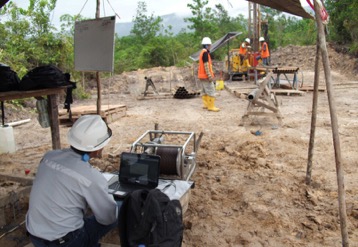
(97, 73)
(334, 124)
(314, 114)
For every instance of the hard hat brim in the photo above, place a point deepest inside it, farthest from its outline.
(79, 142)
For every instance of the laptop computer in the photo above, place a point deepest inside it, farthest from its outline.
(136, 171)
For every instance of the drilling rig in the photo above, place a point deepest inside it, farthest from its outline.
(256, 29)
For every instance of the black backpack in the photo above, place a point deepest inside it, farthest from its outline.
(150, 218)
(9, 80)
(47, 76)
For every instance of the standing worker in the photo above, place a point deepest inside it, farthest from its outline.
(243, 51)
(264, 52)
(206, 76)
(66, 185)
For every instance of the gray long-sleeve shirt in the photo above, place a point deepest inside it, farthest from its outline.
(64, 187)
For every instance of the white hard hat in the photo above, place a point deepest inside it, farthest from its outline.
(247, 40)
(206, 41)
(261, 39)
(89, 133)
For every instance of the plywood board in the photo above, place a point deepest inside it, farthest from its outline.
(109, 113)
(288, 92)
(94, 44)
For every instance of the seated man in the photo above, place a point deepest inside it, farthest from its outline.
(66, 184)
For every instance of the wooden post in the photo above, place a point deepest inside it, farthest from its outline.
(156, 127)
(314, 114)
(334, 124)
(53, 114)
(83, 80)
(97, 73)
(98, 94)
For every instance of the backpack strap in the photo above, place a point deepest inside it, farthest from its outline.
(2, 113)
(133, 201)
(122, 222)
(69, 99)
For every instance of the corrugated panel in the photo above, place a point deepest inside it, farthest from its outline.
(293, 7)
(217, 44)
(3, 2)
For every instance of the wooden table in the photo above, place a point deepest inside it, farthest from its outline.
(278, 71)
(52, 96)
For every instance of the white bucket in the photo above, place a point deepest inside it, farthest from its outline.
(7, 140)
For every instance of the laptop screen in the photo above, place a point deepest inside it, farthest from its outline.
(140, 169)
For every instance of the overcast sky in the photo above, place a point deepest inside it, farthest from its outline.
(126, 9)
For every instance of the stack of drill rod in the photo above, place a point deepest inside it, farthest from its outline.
(182, 93)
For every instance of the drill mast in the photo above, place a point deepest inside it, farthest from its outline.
(254, 25)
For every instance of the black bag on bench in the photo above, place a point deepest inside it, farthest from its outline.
(47, 76)
(9, 81)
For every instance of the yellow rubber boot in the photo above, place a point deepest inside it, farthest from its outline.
(205, 101)
(211, 106)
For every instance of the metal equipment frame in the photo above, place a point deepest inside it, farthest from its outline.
(185, 163)
(262, 98)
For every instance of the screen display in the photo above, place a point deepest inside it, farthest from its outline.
(139, 168)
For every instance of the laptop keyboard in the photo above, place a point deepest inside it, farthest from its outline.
(125, 188)
(113, 186)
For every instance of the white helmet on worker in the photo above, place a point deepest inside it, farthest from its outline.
(89, 133)
(247, 40)
(261, 39)
(206, 41)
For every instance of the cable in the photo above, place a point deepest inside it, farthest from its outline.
(104, 11)
(82, 7)
(169, 185)
(104, 170)
(113, 9)
(13, 229)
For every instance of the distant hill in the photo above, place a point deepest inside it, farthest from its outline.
(177, 22)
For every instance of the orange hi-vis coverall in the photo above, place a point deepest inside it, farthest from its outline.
(201, 70)
(265, 53)
(243, 49)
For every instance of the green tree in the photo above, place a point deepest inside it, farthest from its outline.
(145, 27)
(343, 22)
(29, 38)
(222, 20)
(68, 23)
(286, 30)
(38, 14)
(203, 23)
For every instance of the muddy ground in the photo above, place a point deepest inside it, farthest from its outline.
(249, 189)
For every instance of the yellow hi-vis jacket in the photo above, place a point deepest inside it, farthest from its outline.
(201, 70)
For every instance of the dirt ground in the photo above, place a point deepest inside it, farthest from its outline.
(249, 189)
